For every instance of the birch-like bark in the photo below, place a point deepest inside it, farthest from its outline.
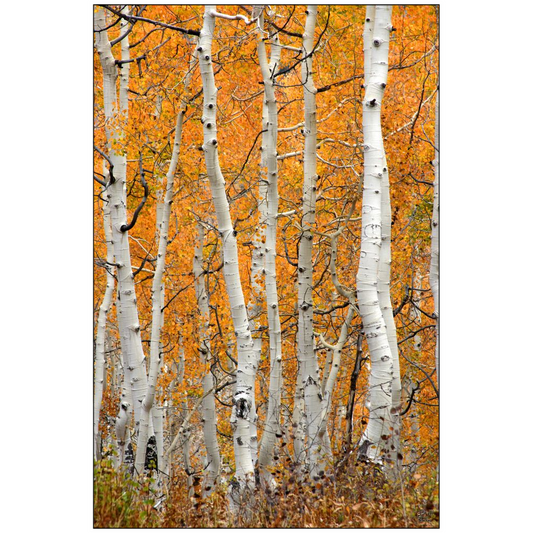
(159, 417)
(121, 425)
(376, 46)
(434, 264)
(209, 417)
(123, 418)
(309, 372)
(255, 305)
(102, 322)
(246, 366)
(125, 67)
(157, 284)
(257, 297)
(272, 429)
(128, 320)
(392, 446)
(299, 423)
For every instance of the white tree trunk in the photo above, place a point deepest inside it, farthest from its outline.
(272, 429)
(385, 259)
(125, 67)
(434, 264)
(157, 284)
(376, 46)
(255, 306)
(299, 423)
(128, 320)
(309, 372)
(246, 368)
(101, 329)
(209, 417)
(121, 430)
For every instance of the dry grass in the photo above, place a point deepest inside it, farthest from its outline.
(359, 497)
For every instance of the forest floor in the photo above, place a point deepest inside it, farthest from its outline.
(357, 497)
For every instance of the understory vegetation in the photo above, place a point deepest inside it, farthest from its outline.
(357, 496)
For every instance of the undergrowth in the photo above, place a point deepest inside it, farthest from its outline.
(358, 497)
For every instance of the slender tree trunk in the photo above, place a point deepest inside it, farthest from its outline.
(99, 375)
(255, 304)
(159, 417)
(272, 430)
(376, 44)
(128, 320)
(309, 372)
(244, 468)
(123, 418)
(393, 444)
(157, 284)
(209, 417)
(434, 265)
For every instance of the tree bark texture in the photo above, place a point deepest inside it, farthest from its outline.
(307, 360)
(272, 430)
(99, 375)
(376, 46)
(434, 264)
(246, 366)
(209, 417)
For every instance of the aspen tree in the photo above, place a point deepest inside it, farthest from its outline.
(102, 321)
(246, 367)
(434, 264)
(257, 296)
(392, 445)
(123, 418)
(128, 319)
(157, 284)
(209, 416)
(272, 429)
(307, 360)
(376, 46)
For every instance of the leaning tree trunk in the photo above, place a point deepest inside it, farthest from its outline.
(157, 284)
(272, 429)
(246, 367)
(376, 44)
(434, 265)
(128, 319)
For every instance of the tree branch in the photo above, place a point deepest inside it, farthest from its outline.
(132, 18)
(127, 227)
